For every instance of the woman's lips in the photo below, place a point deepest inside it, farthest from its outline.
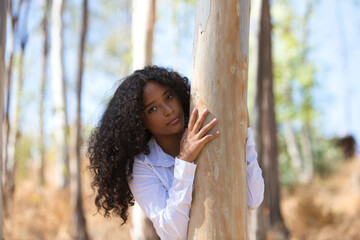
(174, 121)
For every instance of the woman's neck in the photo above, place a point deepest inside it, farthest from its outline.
(170, 144)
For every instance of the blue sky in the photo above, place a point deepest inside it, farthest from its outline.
(334, 36)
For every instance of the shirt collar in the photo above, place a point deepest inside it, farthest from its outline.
(157, 156)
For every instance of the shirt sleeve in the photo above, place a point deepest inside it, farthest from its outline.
(255, 181)
(168, 210)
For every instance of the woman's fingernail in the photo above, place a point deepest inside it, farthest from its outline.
(215, 119)
(205, 110)
(217, 132)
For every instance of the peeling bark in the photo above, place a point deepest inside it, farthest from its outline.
(220, 68)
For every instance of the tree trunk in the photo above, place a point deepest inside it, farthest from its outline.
(220, 71)
(59, 95)
(292, 148)
(306, 146)
(78, 220)
(269, 218)
(3, 7)
(14, 129)
(14, 20)
(142, 42)
(42, 91)
(142, 32)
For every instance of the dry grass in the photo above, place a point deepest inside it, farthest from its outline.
(44, 213)
(327, 210)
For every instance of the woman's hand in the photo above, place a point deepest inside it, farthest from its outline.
(194, 138)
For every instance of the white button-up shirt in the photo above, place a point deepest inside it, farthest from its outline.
(162, 186)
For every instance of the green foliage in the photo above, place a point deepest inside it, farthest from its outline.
(286, 172)
(24, 155)
(327, 156)
(294, 83)
(293, 73)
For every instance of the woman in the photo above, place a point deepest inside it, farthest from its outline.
(145, 147)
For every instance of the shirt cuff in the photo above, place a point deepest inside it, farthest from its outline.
(184, 170)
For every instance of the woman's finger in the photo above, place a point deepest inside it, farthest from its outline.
(209, 137)
(207, 128)
(200, 121)
(192, 119)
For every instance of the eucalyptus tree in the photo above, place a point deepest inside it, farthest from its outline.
(78, 219)
(3, 7)
(44, 28)
(220, 71)
(14, 126)
(143, 19)
(59, 95)
(268, 216)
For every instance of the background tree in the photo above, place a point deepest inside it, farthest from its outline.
(294, 76)
(13, 12)
(59, 95)
(3, 7)
(42, 89)
(269, 217)
(78, 220)
(143, 19)
(14, 128)
(220, 70)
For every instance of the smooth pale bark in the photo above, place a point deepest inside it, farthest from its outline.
(306, 146)
(42, 91)
(59, 96)
(219, 83)
(269, 218)
(3, 7)
(143, 18)
(78, 219)
(292, 148)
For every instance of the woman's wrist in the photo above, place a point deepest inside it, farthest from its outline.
(184, 157)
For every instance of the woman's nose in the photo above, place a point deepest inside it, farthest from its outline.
(168, 110)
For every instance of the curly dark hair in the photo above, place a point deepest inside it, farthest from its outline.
(121, 134)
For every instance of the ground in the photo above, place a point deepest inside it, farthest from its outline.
(328, 209)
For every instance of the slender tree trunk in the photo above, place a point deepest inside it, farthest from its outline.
(14, 19)
(142, 32)
(306, 146)
(3, 7)
(78, 220)
(292, 148)
(42, 91)
(220, 71)
(14, 132)
(142, 42)
(59, 95)
(269, 218)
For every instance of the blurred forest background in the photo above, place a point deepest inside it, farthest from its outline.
(64, 59)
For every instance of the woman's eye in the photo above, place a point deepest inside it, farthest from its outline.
(151, 109)
(170, 96)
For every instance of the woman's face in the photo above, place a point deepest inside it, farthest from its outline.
(164, 115)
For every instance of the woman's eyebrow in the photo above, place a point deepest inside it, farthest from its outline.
(150, 103)
(166, 91)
